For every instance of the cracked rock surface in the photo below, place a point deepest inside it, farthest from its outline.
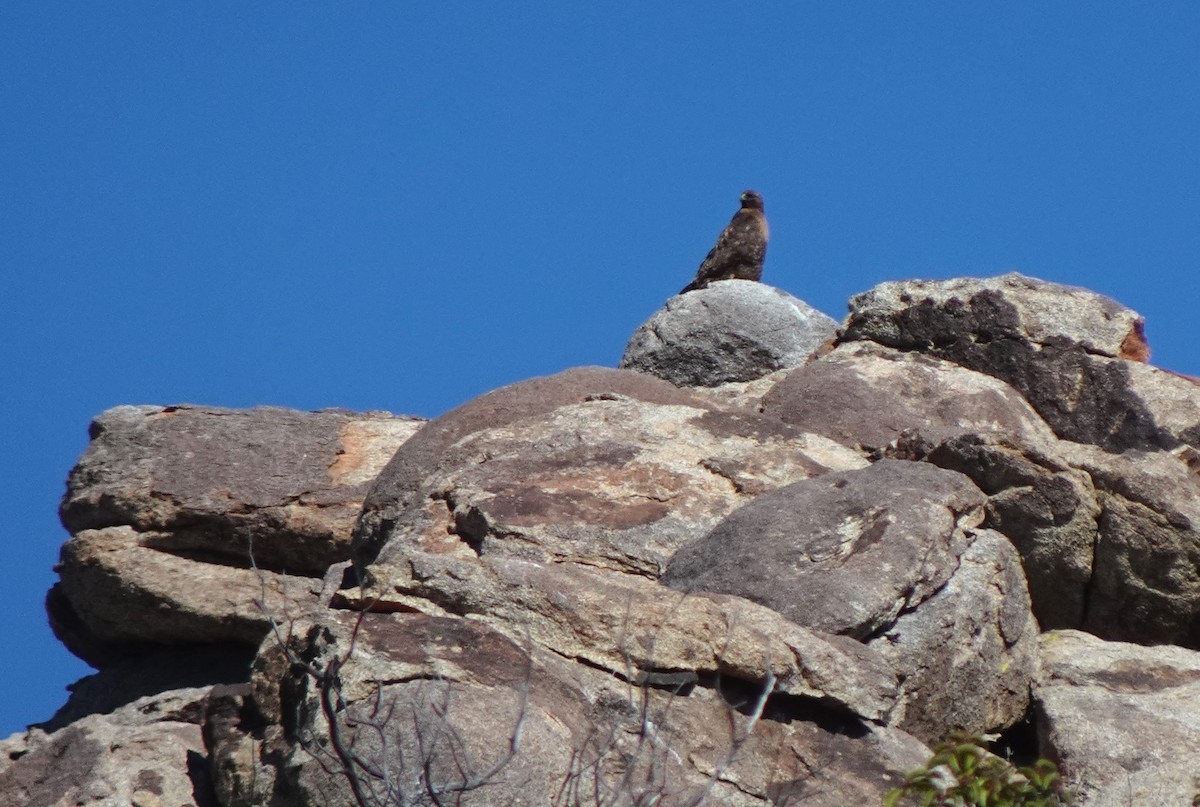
(170, 508)
(766, 567)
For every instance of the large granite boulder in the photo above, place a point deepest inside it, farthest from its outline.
(733, 330)
(888, 554)
(844, 552)
(147, 753)
(968, 654)
(636, 629)
(196, 525)
(604, 478)
(1122, 720)
(1144, 585)
(1046, 507)
(398, 486)
(1076, 356)
(871, 398)
(450, 706)
(223, 483)
(846, 536)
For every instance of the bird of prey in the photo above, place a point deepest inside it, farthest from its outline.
(740, 249)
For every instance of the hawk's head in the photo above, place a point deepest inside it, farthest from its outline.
(752, 199)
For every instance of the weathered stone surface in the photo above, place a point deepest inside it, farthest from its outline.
(454, 693)
(147, 753)
(121, 590)
(214, 481)
(1122, 720)
(233, 739)
(398, 487)
(1047, 509)
(733, 330)
(617, 484)
(1109, 541)
(1073, 354)
(967, 655)
(171, 506)
(742, 395)
(866, 396)
(844, 552)
(452, 696)
(1144, 586)
(515, 548)
(632, 627)
(924, 314)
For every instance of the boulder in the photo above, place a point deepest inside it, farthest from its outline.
(612, 481)
(148, 753)
(452, 705)
(1047, 508)
(1108, 541)
(967, 655)
(869, 397)
(1076, 356)
(120, 595)
(398, 486)
(933, 315)
(840, 536)
(222, 483)
(1122, 720)
(733, 330)
(1144, 586)
(843, 553)
(195, 525)
(888, 554)
(637, 629)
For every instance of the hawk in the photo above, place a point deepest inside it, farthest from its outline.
(740, 249)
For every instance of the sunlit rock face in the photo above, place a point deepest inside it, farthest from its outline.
(767, 560)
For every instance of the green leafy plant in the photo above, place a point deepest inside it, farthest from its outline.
(962, 773)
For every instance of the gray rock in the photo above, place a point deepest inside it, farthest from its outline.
(734, 330)
(119, 594)
(170, 507)
(634, 628)
(1122, 720)
(1048, 509)
(398, 486)
(147, 753)
(1076, 356)
(967, 655)
(515, 548)
(844, 552)
(612, 481)
(924, 314)
(866, 396)
(1144, 586)
(450, 694)
(208, 479)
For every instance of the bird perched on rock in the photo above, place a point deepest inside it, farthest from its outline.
(740, 249)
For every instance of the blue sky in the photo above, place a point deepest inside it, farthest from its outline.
(402, 205)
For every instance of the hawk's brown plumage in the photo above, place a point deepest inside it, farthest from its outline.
(740, 249)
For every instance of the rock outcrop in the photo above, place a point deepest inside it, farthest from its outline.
(196, 525)
(1077, 357)
(762, 563)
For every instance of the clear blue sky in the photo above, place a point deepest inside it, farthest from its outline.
(402, 205)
